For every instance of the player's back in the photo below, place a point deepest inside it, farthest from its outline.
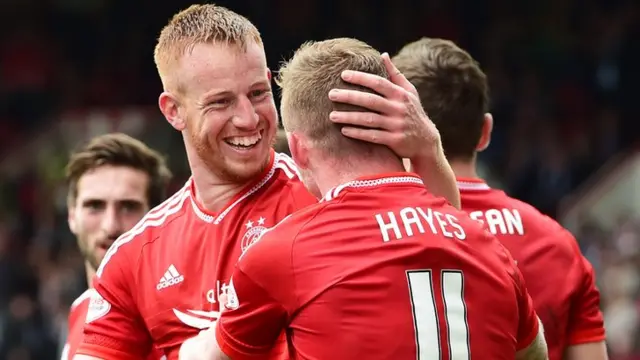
(384, 270)
(558, 278)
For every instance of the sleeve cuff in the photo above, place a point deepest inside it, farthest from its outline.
(524, 343)
(105, 353)
(587, 336)
(236, 350)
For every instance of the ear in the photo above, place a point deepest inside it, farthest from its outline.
(71, 218)
(269, 74)
(485, 135)
(407, 164)
(299, 149)
(170, 106)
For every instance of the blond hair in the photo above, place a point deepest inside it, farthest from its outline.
(306, 80)
(200, 24)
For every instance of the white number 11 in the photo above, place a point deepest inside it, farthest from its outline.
(425, 315)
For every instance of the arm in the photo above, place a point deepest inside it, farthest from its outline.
(396, 120)
(253, 320)
(586, 323)
(587, 351)
(114, 328)
(437, 174)
(531, 341)
(248, 328)
(537, 350)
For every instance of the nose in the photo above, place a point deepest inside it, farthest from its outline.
(111, 223)
(246, 117)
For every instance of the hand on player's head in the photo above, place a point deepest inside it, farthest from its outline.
(396, 118)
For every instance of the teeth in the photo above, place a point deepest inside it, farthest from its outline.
(244, 140)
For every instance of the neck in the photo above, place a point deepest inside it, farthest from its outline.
(334, 173)
(211, 192)
(465, 168)
(91, 272)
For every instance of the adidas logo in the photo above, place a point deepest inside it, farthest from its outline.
(171, 277)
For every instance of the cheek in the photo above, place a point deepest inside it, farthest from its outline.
(131, 220)
(267, 112)
(210, 125)
(86, 225)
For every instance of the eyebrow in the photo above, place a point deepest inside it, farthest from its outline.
(130, 201)
(213, 94)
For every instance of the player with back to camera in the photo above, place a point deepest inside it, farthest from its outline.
(161, 282)
(453, 90)
(380, 268)
(113, 181)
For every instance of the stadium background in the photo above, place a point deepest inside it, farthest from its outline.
(563, 73)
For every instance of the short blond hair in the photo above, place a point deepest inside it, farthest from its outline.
(306, 80)
(198, 24)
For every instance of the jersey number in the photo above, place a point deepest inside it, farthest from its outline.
(425, 315)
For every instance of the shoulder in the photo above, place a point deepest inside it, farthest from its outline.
(154, 223)
(288, 177)
(279, 239)
(532, 217)
(84, 297)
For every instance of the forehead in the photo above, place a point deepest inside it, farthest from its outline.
(113, 183)
(223, 67)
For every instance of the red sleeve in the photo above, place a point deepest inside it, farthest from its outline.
(114, 328)
(586, 323)
(528, 327)
(250, 327)
(256, 315)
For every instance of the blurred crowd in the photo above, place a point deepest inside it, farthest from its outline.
(563, 75)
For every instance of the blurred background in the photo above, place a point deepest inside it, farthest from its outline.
(563, 74)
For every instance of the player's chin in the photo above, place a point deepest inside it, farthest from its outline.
(246, 169)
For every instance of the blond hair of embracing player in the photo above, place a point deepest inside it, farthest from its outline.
(161, 283)
(113, 181)
(380, 268)
(454, 91)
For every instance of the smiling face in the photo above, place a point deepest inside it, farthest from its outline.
(227, 104)
(110, 200)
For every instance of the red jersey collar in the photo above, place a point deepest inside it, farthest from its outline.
(375, 181)
(472, 184)
(251, 188)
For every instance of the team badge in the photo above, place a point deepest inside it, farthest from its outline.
(253, 232)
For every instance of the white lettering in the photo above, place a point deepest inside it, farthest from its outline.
(409, 217)
(167, 283)
(385, 227)
(416, 220)
(502, 222)
(453, 221)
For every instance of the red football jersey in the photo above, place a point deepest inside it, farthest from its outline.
(380, 269)
(160, 283)
(560, 280)
(77, 315)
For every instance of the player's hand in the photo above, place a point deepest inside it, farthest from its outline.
(396, 119)
(200, 347)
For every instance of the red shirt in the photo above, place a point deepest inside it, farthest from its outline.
(560, 280)
(159, 283)
(380, 269)
(77, 315)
